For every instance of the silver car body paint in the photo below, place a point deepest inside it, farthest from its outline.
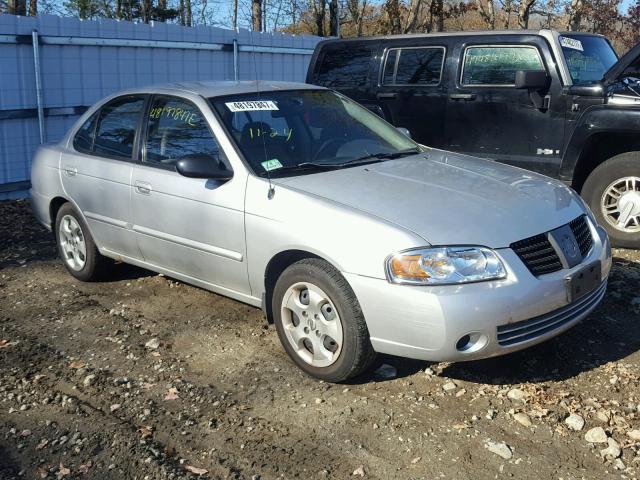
(222, 236)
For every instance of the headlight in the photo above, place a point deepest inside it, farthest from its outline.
(445, 265)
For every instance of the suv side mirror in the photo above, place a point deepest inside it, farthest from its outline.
(532, 79)
(535, 81)
(203, 166)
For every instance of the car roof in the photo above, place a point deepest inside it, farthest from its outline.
(209, 89)
(465, 33)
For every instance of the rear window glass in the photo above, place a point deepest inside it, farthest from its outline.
(116, 130)
(344, 66)
(497, 65)
(83, 141)
(416, 66)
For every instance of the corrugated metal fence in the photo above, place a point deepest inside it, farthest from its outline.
(83, 61)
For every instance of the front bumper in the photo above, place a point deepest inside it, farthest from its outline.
(428, 322)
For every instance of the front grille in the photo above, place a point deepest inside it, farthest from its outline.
(537, 254)
(581, 231)
(540, 257)
(526, 330)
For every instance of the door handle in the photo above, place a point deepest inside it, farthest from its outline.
(462, 96)
(387, 95)
(142, 188)
(71, 171)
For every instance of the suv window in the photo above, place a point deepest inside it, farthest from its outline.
(497, 65)
(414, 66)
(176, 129)
(116, 128)
(344, 67)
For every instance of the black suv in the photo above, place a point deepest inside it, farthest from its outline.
(562, 104)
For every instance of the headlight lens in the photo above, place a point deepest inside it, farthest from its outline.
(445, 265)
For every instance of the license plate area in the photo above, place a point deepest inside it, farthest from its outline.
(583, 281)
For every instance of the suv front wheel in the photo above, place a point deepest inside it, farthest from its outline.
(612, 191)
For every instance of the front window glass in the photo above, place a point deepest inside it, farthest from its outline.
(177, 129)
(497, 65)
(83, 140)
(116, 130)
(588, 57)
(285, 130)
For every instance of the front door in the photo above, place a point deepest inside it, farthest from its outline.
(412, 93)
(193, 227)
(488, 117)
(96, 173)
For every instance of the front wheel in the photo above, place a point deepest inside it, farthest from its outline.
(612, 191)
(320, 323)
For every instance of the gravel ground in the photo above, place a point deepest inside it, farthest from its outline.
(146, 377)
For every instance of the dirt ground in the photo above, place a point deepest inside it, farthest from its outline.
(146, 377)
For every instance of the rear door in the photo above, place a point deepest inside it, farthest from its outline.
(96, 172)
(411, 91)
(488, 117)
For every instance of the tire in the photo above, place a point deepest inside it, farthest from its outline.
(594, 191)
(328, 295)
(76, 246)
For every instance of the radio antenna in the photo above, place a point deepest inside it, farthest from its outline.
(261, 134)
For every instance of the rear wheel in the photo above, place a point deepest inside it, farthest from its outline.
(612, 191)
(76, 247)
(320, 323)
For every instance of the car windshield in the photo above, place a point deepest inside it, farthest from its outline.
(297, 131)
(588, 57)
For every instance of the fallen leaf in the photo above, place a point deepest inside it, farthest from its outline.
(146, 431)
(155, 354)
(77, 364)
(63, 471)
(148, 386)
(416, 460)
(172, 394)
(197, 471)
(84, 468)
(25, 433)
(114, 407)
(43, 443)
(7, 343)
(359, 471)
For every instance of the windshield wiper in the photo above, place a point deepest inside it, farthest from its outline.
(386, 155)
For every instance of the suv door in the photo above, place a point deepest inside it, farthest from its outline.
(96, 172)
(488, 117)
(189, 226)
(411, 91)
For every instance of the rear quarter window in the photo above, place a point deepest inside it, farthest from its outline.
(413, 66)
(344, 66)
(497, 65)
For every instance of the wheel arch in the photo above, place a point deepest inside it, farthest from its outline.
(599, 148)
(54, 206)
(274, 269)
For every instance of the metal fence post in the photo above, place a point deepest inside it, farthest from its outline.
(36, 64)
(236, 73)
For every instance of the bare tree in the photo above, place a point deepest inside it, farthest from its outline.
(392, 12)
(524, 12)
(334, 20)
(487, 12)
(256, 15)
(574, 17)
(356, 9)
(17, 7)
(33, 8)
(234, 18)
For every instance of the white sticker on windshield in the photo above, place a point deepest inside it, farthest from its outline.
(571, 43)
(251, 105)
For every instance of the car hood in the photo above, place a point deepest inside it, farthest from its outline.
(629, 59)
(448, 198)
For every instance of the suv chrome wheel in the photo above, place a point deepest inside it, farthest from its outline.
(72, 243)
(620, 204)
(312, 324)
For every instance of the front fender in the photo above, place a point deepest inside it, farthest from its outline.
(596, 121)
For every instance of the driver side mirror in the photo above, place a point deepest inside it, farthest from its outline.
(203, 166)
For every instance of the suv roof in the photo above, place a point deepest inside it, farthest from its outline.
(469, 33)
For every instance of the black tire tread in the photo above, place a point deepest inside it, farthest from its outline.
(365, 355)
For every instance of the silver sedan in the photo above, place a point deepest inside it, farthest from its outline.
(352, 238)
